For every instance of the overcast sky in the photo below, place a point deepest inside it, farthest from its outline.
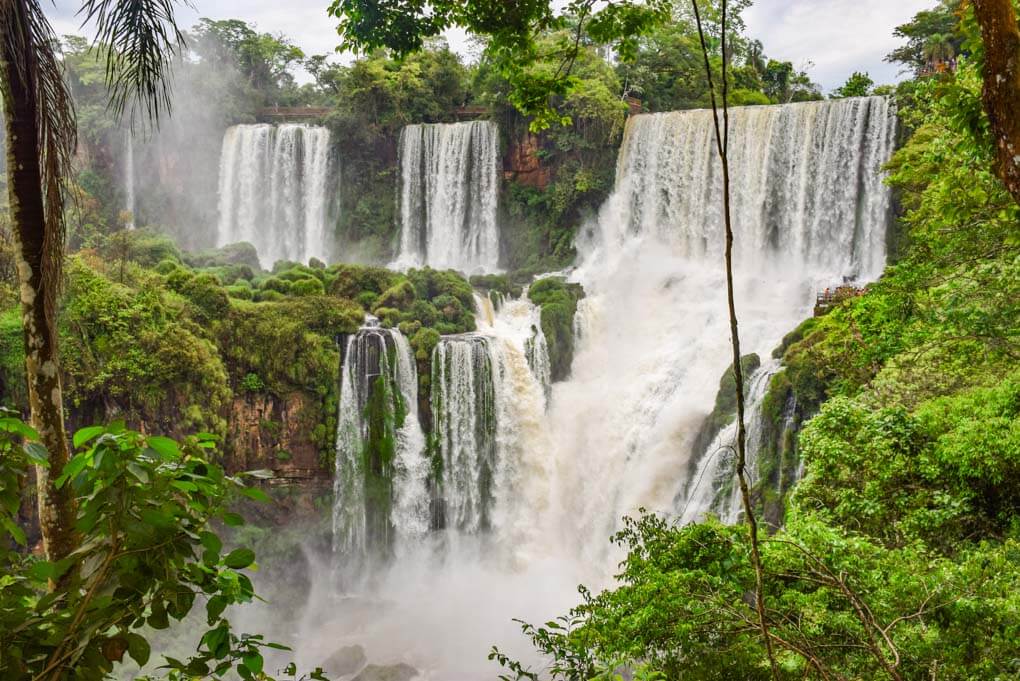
(837, 36)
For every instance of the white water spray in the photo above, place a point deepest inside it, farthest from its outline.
(449, 194)
(274, 191)
(534, 502)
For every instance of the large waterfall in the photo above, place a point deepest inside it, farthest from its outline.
(449, 189)
(526, 489)
(275, 190)
(809, 210)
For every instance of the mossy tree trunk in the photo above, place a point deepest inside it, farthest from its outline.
(1001, 36)
(28, 214)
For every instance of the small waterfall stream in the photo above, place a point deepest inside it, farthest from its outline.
(713, 488)
(449, 193)
(274, 190)
(380, 485)
(129, 176)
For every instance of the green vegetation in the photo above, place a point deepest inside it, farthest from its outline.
(897, 553)
(558, 301)
(175, 347)
(150, 506)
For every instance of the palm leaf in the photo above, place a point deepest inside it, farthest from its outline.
(142, 39)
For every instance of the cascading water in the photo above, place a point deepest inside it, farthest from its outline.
(548, 486)
(129, 176)
(380, 486)
(449, 189)
(809, 209)
(713, 488)
(488, 405)
(274, 190)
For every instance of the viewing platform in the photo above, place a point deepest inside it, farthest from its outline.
(282, 113)
(831, 297)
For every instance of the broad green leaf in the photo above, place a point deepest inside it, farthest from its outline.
(12, 529)
(73, 468)
(16, 425)
(253, 661)
(233, 519)
(138, 649)
(138, 471)
(211, 542)
(239, 558)
(166, 447)
(87, 434)
(255, 493)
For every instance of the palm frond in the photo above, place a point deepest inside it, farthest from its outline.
(28, 34)
(142, 38)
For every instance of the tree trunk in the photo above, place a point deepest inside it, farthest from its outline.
(56, 506)
(1001, 35)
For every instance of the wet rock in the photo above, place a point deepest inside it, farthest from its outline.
(390, 672)
(345, 661)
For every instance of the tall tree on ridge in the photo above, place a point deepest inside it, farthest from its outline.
(41, 140)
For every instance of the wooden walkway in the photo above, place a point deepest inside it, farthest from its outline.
(282, 113)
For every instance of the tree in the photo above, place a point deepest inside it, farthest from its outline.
(41, 134)
(511, 30)
(857, 85)
(263, 59)
(930, 33)
(1001, 94)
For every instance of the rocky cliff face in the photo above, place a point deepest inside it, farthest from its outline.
(524, 164)
(270, 432)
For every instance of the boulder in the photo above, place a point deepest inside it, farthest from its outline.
(345, 661)
(390, 672)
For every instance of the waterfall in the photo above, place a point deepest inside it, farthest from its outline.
(528, 487)
(449, 189)
(129, 177)
(809, 209)
(274, 190)
(380, 485)
(488, 408)
(714, 489)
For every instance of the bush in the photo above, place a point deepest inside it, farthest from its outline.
(307, 287)
(399, 296)
(242, 253)
(558, 301)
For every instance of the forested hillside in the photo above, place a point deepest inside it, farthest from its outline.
(411, 343)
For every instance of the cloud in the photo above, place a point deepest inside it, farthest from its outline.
(838, 36)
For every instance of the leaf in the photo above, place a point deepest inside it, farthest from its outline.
(138, 471)
(239, 558)
(214, 608)
(12, 529)
(184, 485)
(253, 661)
(165, 447)
(233, 520)
(72, 469)
(261, 474)
(37, 453)
(211, 542)
(16, 425)
(256, 494)
(138, 649)
(43, 570)
(87, 434)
